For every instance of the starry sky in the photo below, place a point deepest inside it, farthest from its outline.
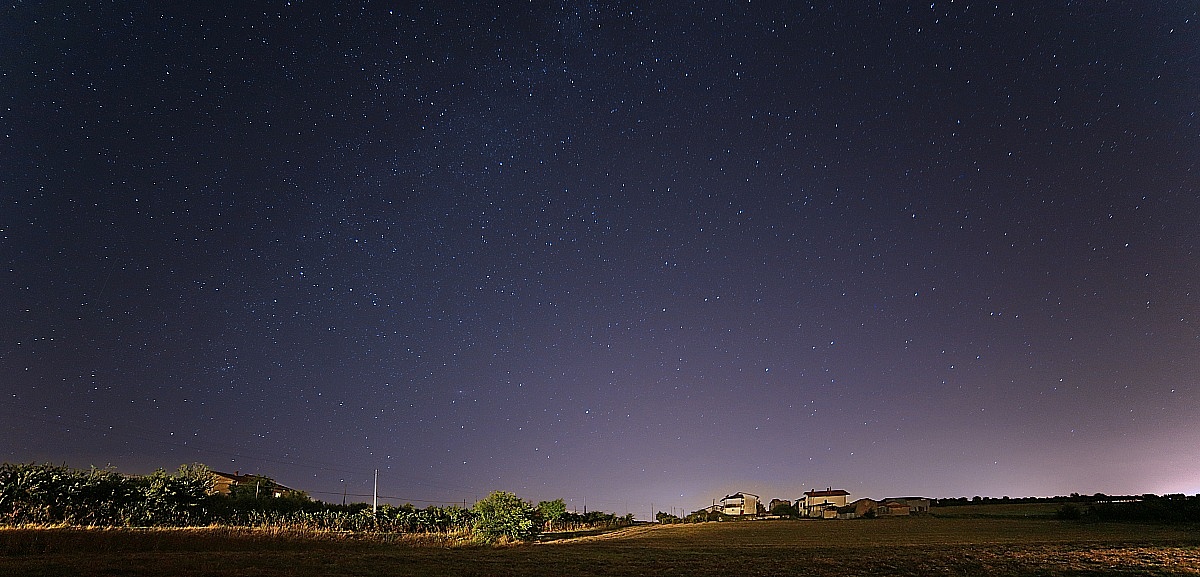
(626, 254)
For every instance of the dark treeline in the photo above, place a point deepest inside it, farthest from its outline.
(1072, 498)
(1147, 507)
(37, 494)
(1157, 509)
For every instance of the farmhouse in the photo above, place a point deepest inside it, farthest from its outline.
(904, 506)
(740, 504)
(225, 482)
(916, 505)
(822, 504)
(861, 508)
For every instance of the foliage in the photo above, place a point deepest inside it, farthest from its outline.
(54, 494)
(785, 510)
(35, 494)
(252, 488)
(705, 515)
(504, 516)
(180, 499)
(551, 511)
(1168, 509)
(1068, 512)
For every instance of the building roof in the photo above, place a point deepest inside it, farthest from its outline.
(741, 495)
(240, 478)
(826, 493)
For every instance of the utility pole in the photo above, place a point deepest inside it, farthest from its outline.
(375, 494)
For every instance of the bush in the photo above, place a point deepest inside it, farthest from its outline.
(503, 515)
(1068, 512)
(53, 494)
(179, 499)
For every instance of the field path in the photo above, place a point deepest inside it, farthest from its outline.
(623, 533)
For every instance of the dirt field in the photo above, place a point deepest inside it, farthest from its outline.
(915, 546)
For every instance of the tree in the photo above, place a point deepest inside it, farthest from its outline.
(504, 516)
(253, 488)
(785, 510)
(179, 499)
(1068, 512)
(552, 511)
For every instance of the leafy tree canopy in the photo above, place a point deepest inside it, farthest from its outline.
(504, 516)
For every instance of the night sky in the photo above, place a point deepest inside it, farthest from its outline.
(614, 253)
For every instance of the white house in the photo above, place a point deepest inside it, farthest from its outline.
(823, 504)
(740, 504)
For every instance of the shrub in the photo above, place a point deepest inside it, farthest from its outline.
(503, 515)
(1068, 512)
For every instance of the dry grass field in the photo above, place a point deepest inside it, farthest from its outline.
(913, 546)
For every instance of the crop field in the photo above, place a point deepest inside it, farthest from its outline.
(909, 546)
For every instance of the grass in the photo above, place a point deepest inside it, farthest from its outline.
(911, 546)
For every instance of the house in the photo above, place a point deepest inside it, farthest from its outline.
(893, 508)
(224, 483)
(904, 506)
(740, 504)
(822, 504)
(860, 509)
(917, 505)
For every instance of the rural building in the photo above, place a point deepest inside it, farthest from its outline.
(893, 507)
(917, 504)
(740, 504)
(904, 506)
(823, 504)
(225, 482)
(862, 508)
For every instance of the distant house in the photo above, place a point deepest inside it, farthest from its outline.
(858, 509)
(823, 504)
(740, 504)
(917, 505)
(904, 506)
(778, 502)
(225, 483)
(893, 507)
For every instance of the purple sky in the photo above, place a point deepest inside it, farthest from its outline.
(609, 253)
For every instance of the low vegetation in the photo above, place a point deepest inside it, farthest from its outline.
(57, 496)
(1140, 508)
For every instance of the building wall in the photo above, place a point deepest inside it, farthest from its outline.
(745, 505)
(815, 505)
(919, 505)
